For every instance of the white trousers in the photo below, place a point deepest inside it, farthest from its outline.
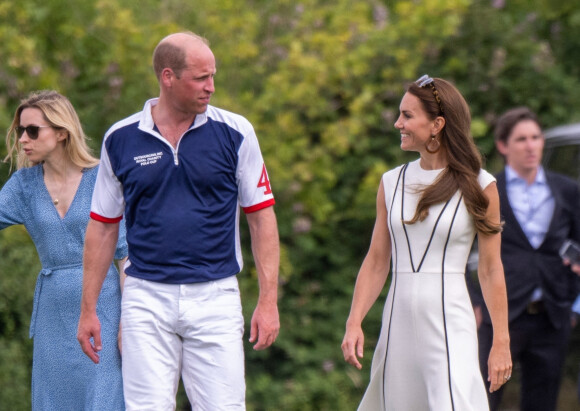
(192, 330)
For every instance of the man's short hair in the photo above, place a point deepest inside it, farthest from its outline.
(168, 55)
(508, 120)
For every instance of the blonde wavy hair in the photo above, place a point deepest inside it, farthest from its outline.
(60, 114)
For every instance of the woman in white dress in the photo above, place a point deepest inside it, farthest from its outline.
(428, 213)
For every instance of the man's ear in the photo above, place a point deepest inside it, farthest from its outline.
(166, 76)
(501, 147)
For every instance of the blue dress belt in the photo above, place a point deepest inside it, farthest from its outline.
(37, 290)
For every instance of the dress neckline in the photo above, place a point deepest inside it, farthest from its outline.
(417, 170)
(404, 224)
(47, 194)
(428, 170)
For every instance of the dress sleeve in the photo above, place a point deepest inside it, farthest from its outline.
(389, 179)
(12, 202)
(485, 178)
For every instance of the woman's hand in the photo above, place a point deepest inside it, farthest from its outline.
(353, 345)
(499, 365)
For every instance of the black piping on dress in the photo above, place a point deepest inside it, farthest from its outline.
(395, 272)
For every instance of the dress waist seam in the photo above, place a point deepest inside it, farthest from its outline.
(45, 272)
(432, 272)
(60, 267)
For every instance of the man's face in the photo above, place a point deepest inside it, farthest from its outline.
(523, 147)
(192, 91)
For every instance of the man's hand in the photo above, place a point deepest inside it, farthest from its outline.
(574, 267)
(265, 325)
(100, 241)
(90, 327)
(120, 340)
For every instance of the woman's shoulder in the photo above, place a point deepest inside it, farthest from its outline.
(91, 170)
(394, 172)
(485, 178)
(90, 174)
(26, 174)
(24, 180)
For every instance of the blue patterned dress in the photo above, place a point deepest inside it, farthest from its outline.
(63, 377)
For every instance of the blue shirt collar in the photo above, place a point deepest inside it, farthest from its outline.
(511, 176)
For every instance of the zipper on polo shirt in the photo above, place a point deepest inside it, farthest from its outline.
(158, 135)
(176, 149)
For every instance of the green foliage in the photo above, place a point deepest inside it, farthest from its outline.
(321, 82)
(18, 268)
(512, 54)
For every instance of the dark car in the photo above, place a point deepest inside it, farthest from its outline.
(562, 150)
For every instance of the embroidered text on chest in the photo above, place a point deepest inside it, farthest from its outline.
(147, 159)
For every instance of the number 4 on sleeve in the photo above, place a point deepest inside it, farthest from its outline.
(264, 181)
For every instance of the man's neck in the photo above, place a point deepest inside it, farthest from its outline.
(164, 114)
(527, 174)
(171, 123)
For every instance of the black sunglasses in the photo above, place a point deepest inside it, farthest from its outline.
(31, 131)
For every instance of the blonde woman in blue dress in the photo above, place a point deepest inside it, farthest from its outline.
(50, 194)
(428, 213)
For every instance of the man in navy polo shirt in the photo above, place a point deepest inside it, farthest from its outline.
(179, 171)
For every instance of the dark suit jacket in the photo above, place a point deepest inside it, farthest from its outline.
(527, 268)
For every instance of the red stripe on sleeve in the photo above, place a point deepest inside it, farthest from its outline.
(102, 219)
(257, 207)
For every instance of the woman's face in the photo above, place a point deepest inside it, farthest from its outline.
(48, 140)
(415, 127)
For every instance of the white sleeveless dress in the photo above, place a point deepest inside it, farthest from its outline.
(427, 355)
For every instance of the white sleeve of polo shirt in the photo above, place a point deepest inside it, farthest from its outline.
(107, 203)
(254, 187)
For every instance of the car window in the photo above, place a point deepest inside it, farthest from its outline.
(564, 160)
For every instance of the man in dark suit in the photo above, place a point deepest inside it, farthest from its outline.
(540, 210)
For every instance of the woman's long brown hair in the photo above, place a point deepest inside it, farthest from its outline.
(463, 157)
